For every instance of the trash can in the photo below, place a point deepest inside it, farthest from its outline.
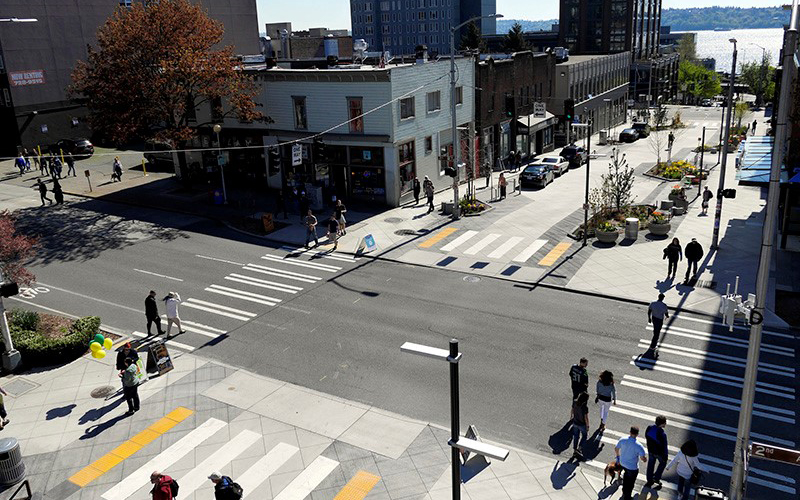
(12, 470)
(603, 140)
(631, 228)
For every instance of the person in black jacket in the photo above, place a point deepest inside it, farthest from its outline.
(126, 352)
(693, 252)
(673, 254)
(224, 488)
(151, 312)
(657, 449)
(579, 377)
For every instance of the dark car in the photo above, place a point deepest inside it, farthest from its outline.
(80, 149)
(642, 129)
(628, 135)
(536, 175)
(159, 154)
(575, 155)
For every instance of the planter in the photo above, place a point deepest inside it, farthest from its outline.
(659, 229)
(447, 207)
(606, 236)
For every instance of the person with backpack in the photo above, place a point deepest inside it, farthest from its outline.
(165, 488)
(224, 487)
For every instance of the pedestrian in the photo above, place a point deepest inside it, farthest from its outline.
(56, 167)
(20, 164)
(127, 352)
(502, 183)
(4, 420)
(27, 157)
(606, 395)
(510, 161)
(656, 313)
(579, 377)
(171, 302)
(707, 195)
(36, 159)
(224, 487)
(44, 161)
(671, 139)
(333, 231)
(130, 386)
(116, 170)
(427, 186)
(311, 229)
(755, 122)
(580, 423)
(689, 468)
(162, 489)
(43, 191)
(674, 254)
(151, 313)
(517, 161)
(693, 252)
(629, 451)
(340, 211)
(58, 194)
(417, 188)
(70, 164)
(657, 449)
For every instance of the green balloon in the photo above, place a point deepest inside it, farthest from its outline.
(99, 338)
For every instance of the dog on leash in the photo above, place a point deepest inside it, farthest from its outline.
(613, 471)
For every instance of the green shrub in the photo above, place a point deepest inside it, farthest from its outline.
(38, 349)
(26, 320)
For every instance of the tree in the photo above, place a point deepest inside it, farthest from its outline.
(155, 63)
(697, 81)
(472, 39)
(760, 77)
(687, 47)
(15, 249)
(619, 181)
(515, 40)
(739, 110)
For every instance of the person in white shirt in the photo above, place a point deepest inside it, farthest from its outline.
(686, 461)
(171, 303)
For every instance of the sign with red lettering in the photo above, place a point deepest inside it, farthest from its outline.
(28, 77)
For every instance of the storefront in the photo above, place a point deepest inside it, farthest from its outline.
(537, 132)
(367, 174)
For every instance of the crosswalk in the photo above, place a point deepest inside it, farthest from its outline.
(695, 380)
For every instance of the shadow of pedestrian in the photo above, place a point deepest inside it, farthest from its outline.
(646, 360)
(59, 412)
(95, 430)
(98, 413)
(663, 286)
(560, 440)
(593, 446)
(562, 474)
(608, 491)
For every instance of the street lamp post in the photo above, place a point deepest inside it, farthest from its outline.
(220, 162)
(725, 134)
(588, 128)
(759, 95)
(454, 124)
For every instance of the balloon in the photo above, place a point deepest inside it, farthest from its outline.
(108, 343)
(99, 338)
(99, 354)
(95, 346)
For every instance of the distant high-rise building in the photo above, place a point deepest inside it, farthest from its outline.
(398, 26)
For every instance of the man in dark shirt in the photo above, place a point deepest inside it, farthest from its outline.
(657, 449)
(579, 377)
(151, 312)
(333, 231)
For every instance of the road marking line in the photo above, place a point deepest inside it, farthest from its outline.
(554, 254)
(299, 263)
(505, 247)
(236, 294)
(477, 247)
(528, 252)
(308, 479)
(221, 307)
(462, 238)
(173, 343)
(259, 280)
(724, 339)
(317, 253)
(444, 233)
(217, 311)
(276, 272)
(719, 358)
(270, 285)
(285, 274)
(220, 260)
(249, 294)
(89, 297)
(200, 325)
(265, 467)
(358, 487)
(735, 327)
(185, 445)
(218, 459)
(126, 449)
(156, 274)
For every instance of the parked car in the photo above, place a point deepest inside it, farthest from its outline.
(159, 154)
(642, 129)
(706, 103)
(79, 148)
(628, 135)
(575, 155)
(557, 164)
(536, 174)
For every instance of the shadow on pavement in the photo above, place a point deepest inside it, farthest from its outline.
(98, 413)
(560, 440)
(562, 474)
(96, 430)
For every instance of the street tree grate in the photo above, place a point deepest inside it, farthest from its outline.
(19, 386)
(471, 279)
(103, 392)
(393, 220)
(405, 232)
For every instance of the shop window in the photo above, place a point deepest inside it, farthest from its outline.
(300, 118)
(355, 111)
(406, 166)
(406, 108)
(434, 101)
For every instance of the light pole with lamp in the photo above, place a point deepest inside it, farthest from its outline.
(723, 162)
(759, 95)
(455, 137)
(221, 163)
(588, 128)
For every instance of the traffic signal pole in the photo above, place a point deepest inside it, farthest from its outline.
(725, 135)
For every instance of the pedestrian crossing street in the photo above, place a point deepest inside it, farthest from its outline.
(696, 382)
(249, 290)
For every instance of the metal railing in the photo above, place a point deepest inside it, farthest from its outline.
(27, 486)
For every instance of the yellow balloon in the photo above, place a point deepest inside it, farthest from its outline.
(108, 343)
(100, 354)
(95, 346)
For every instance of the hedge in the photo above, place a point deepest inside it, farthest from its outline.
(39, 350)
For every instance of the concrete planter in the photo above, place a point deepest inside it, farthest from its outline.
(659, 229)
(606, 236)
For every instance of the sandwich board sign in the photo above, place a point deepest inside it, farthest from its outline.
(367, 244)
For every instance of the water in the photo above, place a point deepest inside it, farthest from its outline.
(715, 44)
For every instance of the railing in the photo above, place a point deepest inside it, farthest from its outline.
(27, 488)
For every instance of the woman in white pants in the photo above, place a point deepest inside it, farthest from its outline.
(606, 396)
(171, 303)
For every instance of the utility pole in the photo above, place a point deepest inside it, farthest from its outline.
(702, 151)
(738, 484)
(724, 140)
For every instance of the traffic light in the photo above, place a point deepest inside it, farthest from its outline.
(509, 104)
(9, 289)
(320, 155)
(729, 193)
(569, 109)
(274, 161)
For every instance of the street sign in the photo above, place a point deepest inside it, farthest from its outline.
(774, 453)
(297, 154)
(221, 160)
(539, 110)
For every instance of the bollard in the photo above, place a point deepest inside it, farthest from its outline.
(144, 169)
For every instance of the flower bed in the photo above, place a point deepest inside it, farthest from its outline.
(676, 170)
(472, 207)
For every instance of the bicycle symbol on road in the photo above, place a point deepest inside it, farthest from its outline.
(30, 293)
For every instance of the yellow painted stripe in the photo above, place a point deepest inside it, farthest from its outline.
(444, 233)
(358, 487)
(129, 447)
(554, 254)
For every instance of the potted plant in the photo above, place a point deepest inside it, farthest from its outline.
(675, 192)
(659, 224)
(606, 232)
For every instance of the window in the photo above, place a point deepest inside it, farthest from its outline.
(355, 109)
(406, 166)
(428, 144)
(434, 101)
(406, 108)
(421, 15)
(459, 95)
(369, 18)
(300, 119)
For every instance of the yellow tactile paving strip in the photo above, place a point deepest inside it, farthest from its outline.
(554, 254)
(129, 447)
(358, 487)
(444, 233)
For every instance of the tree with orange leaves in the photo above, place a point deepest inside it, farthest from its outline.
(15, 249)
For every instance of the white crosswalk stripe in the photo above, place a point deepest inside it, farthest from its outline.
(241, 294)
(265, 467)
(221, 310)
(505, 247)
(304, 484)
(717, 358)
(477, 247)
(172, 343)
(221, 457)
(724, 339)
(272, 271)
(315, 253)
(463, 238)
(735, 327)
(271, 285)
(302, 263)
(528, 252)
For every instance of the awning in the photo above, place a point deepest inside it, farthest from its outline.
(536, 124)
(756, 161)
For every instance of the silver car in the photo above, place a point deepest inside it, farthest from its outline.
(557, 164)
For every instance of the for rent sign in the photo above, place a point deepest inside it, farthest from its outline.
(28, 77)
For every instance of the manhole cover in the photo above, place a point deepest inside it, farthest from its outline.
(19, 386)
(103, 392)
(405, 232)
(393, 220)
(471, 279)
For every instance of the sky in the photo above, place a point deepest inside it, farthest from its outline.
(335, 14)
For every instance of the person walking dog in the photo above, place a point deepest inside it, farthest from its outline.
(629, 451)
